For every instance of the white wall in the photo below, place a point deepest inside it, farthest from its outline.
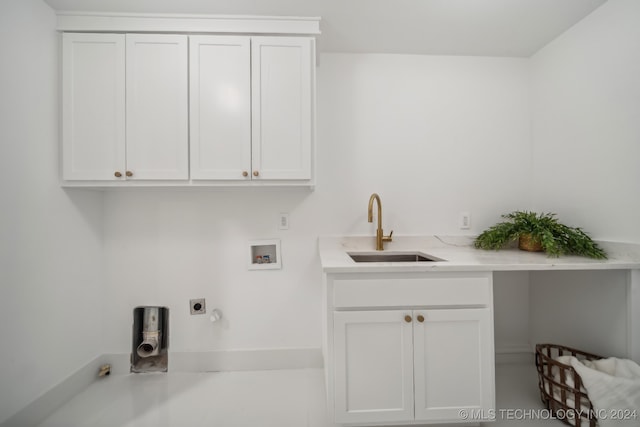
(50, 241)
(586, 151)
(586, 137)
(432, 135)
(511, 313)
(586, 310)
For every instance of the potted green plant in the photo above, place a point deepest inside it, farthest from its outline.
(539, 232)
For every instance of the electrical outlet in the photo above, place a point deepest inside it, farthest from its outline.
(465, 220)
(197, 306)
(283, 221)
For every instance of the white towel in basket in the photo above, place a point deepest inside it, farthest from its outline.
(566, 360)
(568, 381)
(569, 397)
(613, 386)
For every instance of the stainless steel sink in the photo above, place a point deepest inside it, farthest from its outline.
(392, 257)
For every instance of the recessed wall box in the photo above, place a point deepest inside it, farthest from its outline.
(264, 255)
(149, 351)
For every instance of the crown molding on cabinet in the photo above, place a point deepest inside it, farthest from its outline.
(138, 22)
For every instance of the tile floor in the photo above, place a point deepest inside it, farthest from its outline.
(285, 398)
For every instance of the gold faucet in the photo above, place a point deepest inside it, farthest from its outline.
(380, 237)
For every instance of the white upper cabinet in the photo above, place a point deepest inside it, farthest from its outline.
(93, 106)
(125, 107)
(157, 107)
(173, 109)
(282, 107)
(251, 109)
(220, 112)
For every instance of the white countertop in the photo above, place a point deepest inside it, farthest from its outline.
(459, 254)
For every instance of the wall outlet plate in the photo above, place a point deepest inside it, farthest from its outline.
(283, 221)
(197, 306)
(465, 220)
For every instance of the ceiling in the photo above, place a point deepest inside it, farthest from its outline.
(439, 27)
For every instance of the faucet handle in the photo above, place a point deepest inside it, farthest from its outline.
(388, 238)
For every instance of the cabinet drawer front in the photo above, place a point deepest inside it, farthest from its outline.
(436, 290)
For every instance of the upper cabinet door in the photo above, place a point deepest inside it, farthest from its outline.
(220, 107)
(282, 115)
(93, 101)
(157, 107)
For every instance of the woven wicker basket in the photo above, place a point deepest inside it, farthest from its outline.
(561, 387)
(526, 242)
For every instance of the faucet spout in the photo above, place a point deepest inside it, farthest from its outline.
(375, 198)
(380, 237)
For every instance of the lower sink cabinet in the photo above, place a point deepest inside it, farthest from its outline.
(412, 366)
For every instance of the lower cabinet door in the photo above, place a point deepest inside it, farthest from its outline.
(453, 362)
(373, 359)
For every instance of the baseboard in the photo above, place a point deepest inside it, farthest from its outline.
(230, 360)
(514, 354)
(211, 361)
